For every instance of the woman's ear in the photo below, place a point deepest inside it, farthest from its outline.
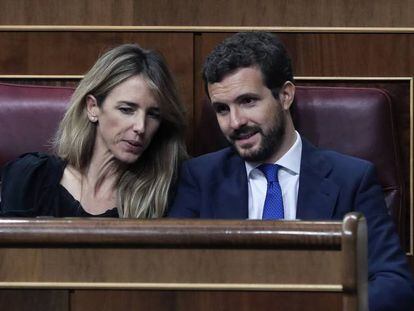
(287, 95)
(92, 108)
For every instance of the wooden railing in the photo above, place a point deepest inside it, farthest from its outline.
(101, 264)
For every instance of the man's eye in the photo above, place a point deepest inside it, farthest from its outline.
(248, 100)
(126, 110)
(221, 109)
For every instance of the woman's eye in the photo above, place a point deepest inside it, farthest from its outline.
(126, 110)
(155, 114)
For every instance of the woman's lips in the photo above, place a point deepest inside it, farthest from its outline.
(133, 146)
(134, 143)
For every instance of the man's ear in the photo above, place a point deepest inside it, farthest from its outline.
(287, 95)
(92, 108)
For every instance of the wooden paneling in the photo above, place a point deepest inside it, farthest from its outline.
(34, 300)
(366, 55)
(163, 253)
(340, 54)
(169, 266)
(73, 53)
(203, 301)
(77, 12)
(107, 264)
(111, 300)
(296, 13)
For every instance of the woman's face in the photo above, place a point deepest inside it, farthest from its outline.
(126, 121)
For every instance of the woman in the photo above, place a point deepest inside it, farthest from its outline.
(117, 147)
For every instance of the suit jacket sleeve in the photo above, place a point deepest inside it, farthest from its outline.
(213, 186)
(390, 280)
(187, 197)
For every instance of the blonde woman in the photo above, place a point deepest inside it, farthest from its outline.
(117, 148)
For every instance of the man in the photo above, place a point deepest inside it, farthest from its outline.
(272, 172)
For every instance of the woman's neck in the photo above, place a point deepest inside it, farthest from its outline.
(103, 166)
(95, 187)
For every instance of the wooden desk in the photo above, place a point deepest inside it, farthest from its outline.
(101, 264)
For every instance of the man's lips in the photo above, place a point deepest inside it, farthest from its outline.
(244, 134)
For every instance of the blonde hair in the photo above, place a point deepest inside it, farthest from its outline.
(144, 186)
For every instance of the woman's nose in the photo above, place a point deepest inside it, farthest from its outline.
(139, 124)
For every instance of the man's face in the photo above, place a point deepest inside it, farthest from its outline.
(249, 115)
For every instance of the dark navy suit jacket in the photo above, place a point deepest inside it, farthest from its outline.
(330, 185)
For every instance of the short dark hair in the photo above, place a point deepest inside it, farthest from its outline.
(246, 49)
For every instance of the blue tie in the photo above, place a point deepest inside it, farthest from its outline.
(273, 206)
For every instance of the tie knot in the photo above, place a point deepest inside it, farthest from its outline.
(270, 171)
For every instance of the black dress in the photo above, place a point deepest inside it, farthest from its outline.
(31, 187)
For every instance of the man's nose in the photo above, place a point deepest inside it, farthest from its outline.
(237, 119)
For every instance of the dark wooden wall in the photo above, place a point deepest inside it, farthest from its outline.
(289, 13)
(326, 38)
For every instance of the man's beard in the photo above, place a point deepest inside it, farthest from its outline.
(269, 144)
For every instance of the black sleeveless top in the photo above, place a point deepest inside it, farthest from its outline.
(31, 187)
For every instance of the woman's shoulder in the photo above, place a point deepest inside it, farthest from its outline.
(30, 170)
(26, 180)
(35, 158)
(33, 162)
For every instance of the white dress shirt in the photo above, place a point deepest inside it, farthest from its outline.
(288, 179)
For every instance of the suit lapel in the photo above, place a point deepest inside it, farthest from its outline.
(317, 192)
(231, 192)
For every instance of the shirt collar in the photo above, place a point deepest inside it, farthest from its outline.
(290, 161)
